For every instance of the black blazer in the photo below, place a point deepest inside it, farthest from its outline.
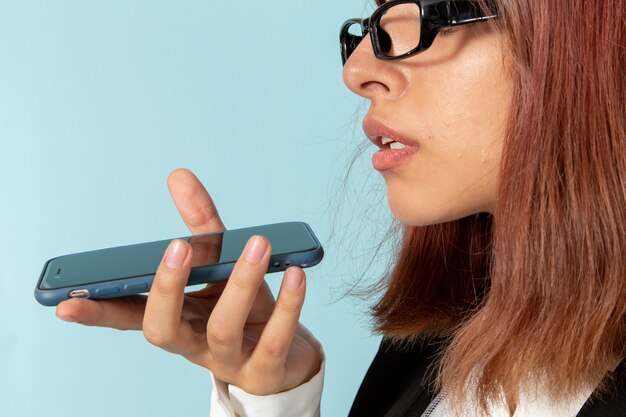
(397, 384)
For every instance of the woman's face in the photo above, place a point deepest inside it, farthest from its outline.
(450, 104)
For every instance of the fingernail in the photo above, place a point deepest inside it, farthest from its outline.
(255, 249)
(176, 254)
(293, 279)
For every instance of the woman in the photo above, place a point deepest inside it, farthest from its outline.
(503, 145)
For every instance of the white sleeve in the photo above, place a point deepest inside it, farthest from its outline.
(301, 401)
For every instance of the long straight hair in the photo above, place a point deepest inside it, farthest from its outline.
(538, 291)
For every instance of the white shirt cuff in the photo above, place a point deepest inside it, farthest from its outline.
(301, 401)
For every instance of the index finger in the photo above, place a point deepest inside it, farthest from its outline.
(194, 202)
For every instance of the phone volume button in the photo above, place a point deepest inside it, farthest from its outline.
(136, 287)
(101, 292)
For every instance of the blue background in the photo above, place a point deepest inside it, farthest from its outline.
(99, 101)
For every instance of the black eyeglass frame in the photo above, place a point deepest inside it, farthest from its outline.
(435, 15)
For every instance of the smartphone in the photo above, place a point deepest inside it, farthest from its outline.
(128, 270)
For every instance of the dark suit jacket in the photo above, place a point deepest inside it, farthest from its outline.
(397, 384)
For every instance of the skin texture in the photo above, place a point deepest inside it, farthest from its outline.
(451, 100)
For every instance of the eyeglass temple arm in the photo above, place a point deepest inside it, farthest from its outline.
(461, 12)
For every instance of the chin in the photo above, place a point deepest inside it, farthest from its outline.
(425, 210)
(416, 214)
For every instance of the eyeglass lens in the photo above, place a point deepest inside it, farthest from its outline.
(401, 28)
(398, 31)
(352, 37)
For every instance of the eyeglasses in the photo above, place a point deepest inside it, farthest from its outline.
(402, 28)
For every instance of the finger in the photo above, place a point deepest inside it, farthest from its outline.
(212, 289)
(194, 203)
(263, 306)
(207, 249)
(271, 351)
(226, 323)
(162, 319)
(125, 313)
(208, 296)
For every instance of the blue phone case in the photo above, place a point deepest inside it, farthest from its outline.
(198, 275)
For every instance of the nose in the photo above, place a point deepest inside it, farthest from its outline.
(370, 77)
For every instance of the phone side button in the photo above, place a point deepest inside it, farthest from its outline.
(136, 287)
(101, 292)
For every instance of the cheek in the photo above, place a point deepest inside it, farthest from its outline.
(470, 105)
(461, 120)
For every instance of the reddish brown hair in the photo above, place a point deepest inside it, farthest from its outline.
(540, 288)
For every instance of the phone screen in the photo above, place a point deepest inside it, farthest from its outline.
(143, 259)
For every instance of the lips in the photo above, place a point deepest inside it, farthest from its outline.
(395, 149)
(377, 131)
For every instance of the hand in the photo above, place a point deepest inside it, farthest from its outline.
(235, 328)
